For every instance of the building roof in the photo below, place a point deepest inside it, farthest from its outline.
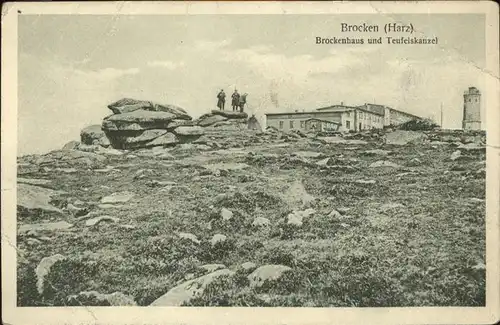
(299, 113)
(374, 108)
(336, 107)
(416, 116)
(343, 108)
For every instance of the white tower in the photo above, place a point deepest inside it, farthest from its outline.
(472, 109)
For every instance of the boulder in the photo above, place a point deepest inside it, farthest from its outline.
(218, 239)
(226, 214)
(365, 182)
(183, 293)
(166, 139)
(128, 105)
(97, 220)
(32, 198)
(44, 227)
(189, 131)
(72, 145)
(296, 218)
(455, 155)
(267, 273)
(43, 269)
(248, 266)
(260, 222)
(208, 119)
(177, 123)
(93, 134)
(231, 114)
(119, 197)
(323, 162)
(188, 236)
(33, 181)
(94, 298)
(384, 163)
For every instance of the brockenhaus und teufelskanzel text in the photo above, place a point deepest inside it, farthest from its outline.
(390, 29)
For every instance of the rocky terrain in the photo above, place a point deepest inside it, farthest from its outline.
(231, 216)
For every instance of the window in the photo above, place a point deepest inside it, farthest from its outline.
(281, 124)
(291, 124)
(348, 124)
(302, 124)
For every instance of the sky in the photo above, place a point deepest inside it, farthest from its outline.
(70, 67)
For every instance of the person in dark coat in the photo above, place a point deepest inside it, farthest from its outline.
(235, 100)
(243, 101)
(221, 96)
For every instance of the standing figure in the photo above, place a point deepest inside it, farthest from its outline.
(243, 101)
(221, 99)
(236, 100)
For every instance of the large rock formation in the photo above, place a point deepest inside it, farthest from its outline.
(138, 124)
(141, 124)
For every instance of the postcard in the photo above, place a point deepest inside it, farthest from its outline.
(250, 163)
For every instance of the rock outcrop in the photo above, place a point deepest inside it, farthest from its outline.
(93, 134)
(31, 198)
(141, 124)
(224, 120)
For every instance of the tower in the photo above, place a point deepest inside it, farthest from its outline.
(472, 109)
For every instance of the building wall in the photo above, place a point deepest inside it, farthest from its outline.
(470, 125)
(320, 125)
(296, 121)
(387, 116)
(367, 120)
(348, 120)
(352, 118)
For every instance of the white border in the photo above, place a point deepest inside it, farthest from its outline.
(221, 315)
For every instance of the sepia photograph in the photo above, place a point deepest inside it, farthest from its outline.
(250, 160)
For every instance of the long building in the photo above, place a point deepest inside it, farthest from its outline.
(339, 118)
